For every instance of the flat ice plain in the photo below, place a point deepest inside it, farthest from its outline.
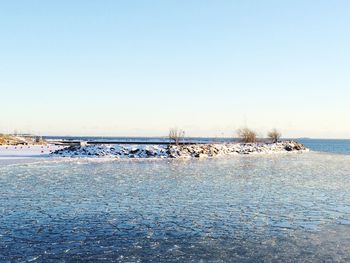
(255, 208)
(26, 151)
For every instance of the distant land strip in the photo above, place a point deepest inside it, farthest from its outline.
(134, 142)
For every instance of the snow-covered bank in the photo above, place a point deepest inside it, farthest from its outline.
(21, 140)
(173, 151)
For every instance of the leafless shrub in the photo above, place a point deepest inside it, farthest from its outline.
(274, 135)
(246, 135)
(176, 135)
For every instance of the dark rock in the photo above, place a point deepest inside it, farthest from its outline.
(149, 153)
(288, 148)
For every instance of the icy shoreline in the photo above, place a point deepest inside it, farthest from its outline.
(27, 151)
(177, 151)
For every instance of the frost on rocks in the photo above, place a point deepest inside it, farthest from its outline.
(179, 151)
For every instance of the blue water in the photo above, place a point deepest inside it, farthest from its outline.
(331, 146)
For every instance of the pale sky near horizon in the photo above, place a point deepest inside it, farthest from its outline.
(136, 68)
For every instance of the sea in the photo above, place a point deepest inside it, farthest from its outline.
(292, 207)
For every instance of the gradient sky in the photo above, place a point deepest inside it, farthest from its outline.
(209, 67)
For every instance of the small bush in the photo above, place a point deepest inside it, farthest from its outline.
(274, 135)
(246, 135)
(176, 135)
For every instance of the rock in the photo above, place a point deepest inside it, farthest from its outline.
(149, 153)
(133, 151)
(173, 151)
(288, 148)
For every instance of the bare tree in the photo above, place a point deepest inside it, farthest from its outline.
(274, 135)
(246, 135)
(176, 135)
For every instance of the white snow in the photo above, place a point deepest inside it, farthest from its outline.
(172, 151)
(146, 151)
(27, 151)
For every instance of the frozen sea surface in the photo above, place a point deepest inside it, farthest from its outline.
(274, 208)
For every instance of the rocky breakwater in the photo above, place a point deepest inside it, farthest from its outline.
(178, 151)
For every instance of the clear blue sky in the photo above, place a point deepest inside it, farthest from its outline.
(209, 67)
